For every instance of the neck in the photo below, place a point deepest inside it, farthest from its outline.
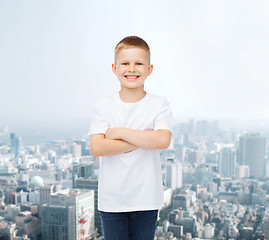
(132, 95)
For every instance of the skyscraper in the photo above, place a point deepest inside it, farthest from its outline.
(252, 153)
(58, 222)
(15, 144)
(173, 174)
(91, 183)
(82, 170)
(45, 192)
(227, 162)
(64, 204)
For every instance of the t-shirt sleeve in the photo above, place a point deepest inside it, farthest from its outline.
(164, 118)
(99, 124)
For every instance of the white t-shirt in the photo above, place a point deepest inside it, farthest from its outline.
(131, 181)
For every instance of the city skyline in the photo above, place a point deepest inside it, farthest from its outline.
(209, 58)
(212, 189)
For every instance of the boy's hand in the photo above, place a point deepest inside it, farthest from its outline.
(114, 133)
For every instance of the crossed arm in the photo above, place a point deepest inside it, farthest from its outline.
(121, 140)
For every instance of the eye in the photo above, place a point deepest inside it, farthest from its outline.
(139, 63)
(124, 63)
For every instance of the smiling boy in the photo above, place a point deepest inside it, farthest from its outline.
(127, 130)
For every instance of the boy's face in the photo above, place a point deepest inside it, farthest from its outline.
(132, 67)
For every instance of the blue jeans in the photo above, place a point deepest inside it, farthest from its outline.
(138, 225)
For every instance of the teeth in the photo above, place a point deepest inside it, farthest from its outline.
(132, 77)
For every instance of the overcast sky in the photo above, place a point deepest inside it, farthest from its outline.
(210, 57)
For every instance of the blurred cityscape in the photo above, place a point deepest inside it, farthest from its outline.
(216, 186)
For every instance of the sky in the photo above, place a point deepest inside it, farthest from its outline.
(209, 58)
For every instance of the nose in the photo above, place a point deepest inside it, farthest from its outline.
(131, 67)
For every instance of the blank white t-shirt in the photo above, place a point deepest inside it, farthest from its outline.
(131, 181)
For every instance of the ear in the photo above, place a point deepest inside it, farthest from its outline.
(114, 68)
(150, 69)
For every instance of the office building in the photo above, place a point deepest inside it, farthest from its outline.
(173, 174)
(83, 203)
(82, 170)
(188, 223)
(58, 222)
(76, 150)
(242, 171)
(180, 152)
(45, 192)
(181, 201)
(252, 154)
(15, 144)
(265, 227)
(92, 184)
(246, 233)
(227, 162)
(83, 144)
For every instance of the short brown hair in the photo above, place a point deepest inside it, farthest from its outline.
(129, 42)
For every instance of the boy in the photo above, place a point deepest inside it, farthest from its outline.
(127, 130)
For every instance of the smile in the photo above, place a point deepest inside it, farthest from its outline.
(131, 76)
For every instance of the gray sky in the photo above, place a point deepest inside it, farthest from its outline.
(209, 57)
